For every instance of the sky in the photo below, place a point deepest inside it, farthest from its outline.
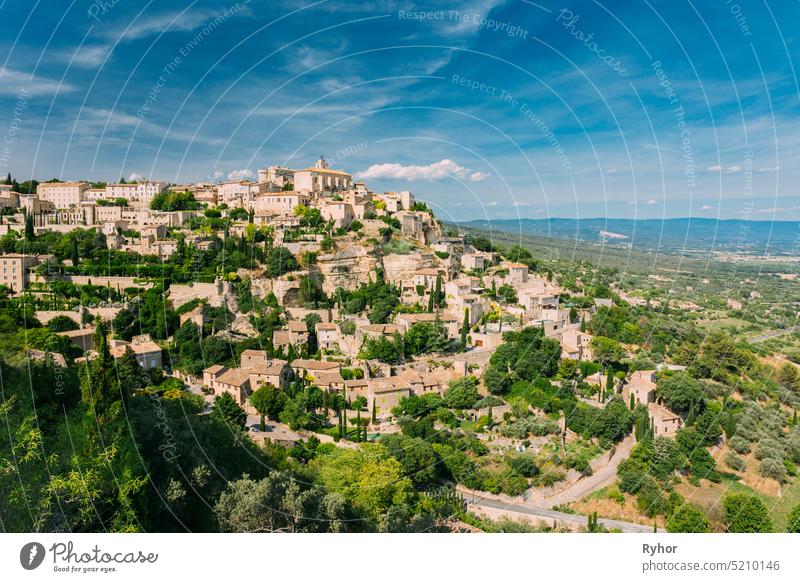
(483, 108)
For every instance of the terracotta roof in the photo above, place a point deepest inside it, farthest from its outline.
(327, 326)
(270, 368)
(298, 327)
(315, 365)
(356, 383)
(216, 368)
(234, 376)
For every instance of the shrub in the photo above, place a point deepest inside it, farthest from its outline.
(773, 469)
(739, 444)
(524, 464)
(769, 449)
(735, 462)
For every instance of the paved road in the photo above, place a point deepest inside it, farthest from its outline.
(517, 510)
(602, 477)
(769, 335)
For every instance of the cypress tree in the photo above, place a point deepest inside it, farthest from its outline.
(632, 402)
(465, 327)
(358, 425)
(29, 233)
(438, 291)
(374, 413)
(73, 251)
(583, 324)
(430, 301)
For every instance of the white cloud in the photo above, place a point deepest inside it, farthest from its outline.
(652, 202)
(769, 169)
(170, 21)
(520, 204)
(217, 175)
(135, 177)
(492, 203)
(87, 56)
(436, 171)
(478, 176)
(19, 83)
(707, 207)
(727, 170)
(239, 174)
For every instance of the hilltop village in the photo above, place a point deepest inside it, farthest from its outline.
(349, 335)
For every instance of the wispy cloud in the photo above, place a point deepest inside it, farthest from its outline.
(725, 170)
(16, 82)
(240, 174)
(436, 171)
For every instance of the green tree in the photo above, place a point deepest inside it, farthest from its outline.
(680, 393)
(280, 261)
(279, 503)
(268, 401)
(688, 519)
(29, 231)
(461, 393)
(606, 351)
(793, 524)
(228, 411)
(746, 513)
(465, 327)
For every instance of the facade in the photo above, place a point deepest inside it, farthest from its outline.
(642, 385)
(138, 193)
(327, 335)
(341, 213)
(14, 271)
(62, 194)
(147, 352)
(321, 178)
(279, 202)
(665, 423)
(277, 175)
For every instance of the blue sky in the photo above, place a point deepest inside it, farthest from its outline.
(484, 108)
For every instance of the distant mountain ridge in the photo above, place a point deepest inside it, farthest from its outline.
(750, 236)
